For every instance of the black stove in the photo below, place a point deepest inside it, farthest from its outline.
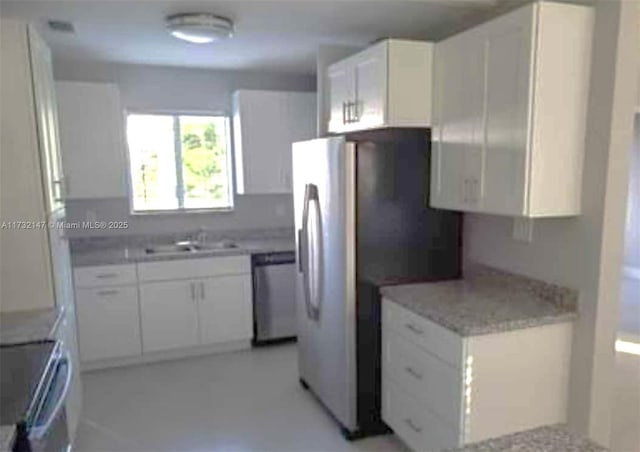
(34, 379)
(24, 367)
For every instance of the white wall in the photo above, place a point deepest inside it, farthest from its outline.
(632, 236)
(158, 88)
(585, 252)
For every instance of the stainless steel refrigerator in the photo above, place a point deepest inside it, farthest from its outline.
(362, 222)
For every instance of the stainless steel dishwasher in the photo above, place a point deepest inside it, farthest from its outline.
(274, 297)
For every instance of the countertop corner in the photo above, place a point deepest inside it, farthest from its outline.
(487, 301)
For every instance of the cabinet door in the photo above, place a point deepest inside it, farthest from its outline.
(108, 322)
(370, 72)
(509, 54)
(266, 123)
(92, 139)
(47, 121)
(225, 309)
(456, 181)
(341, 92)
(169, 314)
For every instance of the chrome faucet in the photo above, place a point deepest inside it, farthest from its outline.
(201, 237)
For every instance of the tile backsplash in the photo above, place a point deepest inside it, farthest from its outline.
(251, 212)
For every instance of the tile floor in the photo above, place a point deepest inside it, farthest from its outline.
(252, 401)
(245, 401)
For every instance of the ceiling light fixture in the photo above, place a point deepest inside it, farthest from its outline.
(199, 28)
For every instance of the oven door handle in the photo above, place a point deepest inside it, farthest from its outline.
(39, 431)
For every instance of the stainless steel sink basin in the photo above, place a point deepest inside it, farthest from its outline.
(189, 247)
(223, 245)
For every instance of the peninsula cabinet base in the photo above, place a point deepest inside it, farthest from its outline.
(500, 383)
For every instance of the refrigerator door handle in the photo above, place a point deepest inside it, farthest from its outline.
(312, 293)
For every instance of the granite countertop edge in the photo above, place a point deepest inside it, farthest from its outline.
(467, 308)
(132, 255)
(491, 328)
(30, 326)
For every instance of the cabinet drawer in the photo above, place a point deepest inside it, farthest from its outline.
(194, 268)
(426, 377)
(437, 340)
(105, 275)
(108, 322)
(413, 422)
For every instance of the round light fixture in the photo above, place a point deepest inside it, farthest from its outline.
(199, 28)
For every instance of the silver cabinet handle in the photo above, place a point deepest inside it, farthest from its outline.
(414, 329)
(192, 289)
(356, 114)
(344, 112)
(106, 275)
(413, 426)
(475, 196)
(466, 191)
(350, 112)
(411, 371)
(106, 293)
(58, 189)
(202, 291)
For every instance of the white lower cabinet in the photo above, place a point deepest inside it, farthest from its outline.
(169, 315)
(128, 311)
(108, 322)
(441, 390)
(205, 311)
(225, 309)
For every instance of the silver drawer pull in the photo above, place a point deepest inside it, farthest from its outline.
(104, 293)
(411, 371)
(413, 328)
(413, 426)
(107, 275)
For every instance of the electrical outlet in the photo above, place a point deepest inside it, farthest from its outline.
(523, 229)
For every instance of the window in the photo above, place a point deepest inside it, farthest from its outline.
(179, 162)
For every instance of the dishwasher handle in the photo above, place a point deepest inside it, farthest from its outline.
(278, 258)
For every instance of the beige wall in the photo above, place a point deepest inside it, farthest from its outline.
(585, 252)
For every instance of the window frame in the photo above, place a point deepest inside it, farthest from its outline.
(178, 155)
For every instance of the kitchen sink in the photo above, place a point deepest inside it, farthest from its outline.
(189, 247)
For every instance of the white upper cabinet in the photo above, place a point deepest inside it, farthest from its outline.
(265, 124)
(385, 85)
(510, 100)
(92, 139)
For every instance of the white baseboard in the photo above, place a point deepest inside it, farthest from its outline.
(631, 272)
(166, 355)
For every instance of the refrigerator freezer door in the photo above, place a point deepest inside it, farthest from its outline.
(324, 199)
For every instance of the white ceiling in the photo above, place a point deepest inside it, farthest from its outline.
(271, 35)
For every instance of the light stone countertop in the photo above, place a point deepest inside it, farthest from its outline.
(7, 433)
(29, 326)
(487, 301)
(553, 438)
(131, 254)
